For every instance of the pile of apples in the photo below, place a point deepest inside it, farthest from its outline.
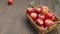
(41, 16)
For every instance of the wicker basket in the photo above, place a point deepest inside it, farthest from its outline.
(47, 29)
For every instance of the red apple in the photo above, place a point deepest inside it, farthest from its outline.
(33, 16)
(37, 10)
(10, 2)
(44, 9)
(48, 22)
(41, 16)
(30, 10)
(49, 15)
(41, 26)
(39, 21)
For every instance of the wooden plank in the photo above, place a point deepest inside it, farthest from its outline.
(3, 9)
(13, 19)
(23, 26)
(57, 11)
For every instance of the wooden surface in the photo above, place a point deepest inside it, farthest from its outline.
(13, 19)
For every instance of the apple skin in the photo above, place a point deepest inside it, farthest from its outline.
(39, 21)
(44, 9)
(41, 16)
(33, 16)
(49, 15)
(10, 2)
(29, 10)
(37, 10)
(48, 22)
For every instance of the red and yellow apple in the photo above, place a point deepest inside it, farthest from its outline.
(41, 16)
(39, 21)
(48, 22)
(33, 16)
(29, 10)
(37, 10)
(44, 9)
(10, 2)
(41, 26)
(49, 15)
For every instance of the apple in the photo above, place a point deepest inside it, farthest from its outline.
(41, 16)
(48, 22)
(37, 10)
(42, 26)
(44, 9)
(10, 2)
(33, 16)
(49, 15)
(39, 21)
(30, 10)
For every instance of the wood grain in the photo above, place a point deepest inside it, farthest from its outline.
(13, 19)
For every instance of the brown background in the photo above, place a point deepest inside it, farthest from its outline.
(13, 19)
